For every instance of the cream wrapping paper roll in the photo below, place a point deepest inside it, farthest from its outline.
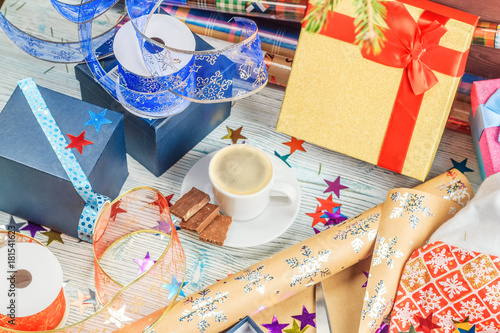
(44, 291)
(301, 266)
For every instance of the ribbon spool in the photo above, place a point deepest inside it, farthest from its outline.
(139, 215)
(131, 67)
(218, 75)
(34, 298)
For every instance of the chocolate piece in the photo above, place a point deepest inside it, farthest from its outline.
(190, 204)
(216, 231)
(200, 220)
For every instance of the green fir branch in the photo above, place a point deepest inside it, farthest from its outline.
(369, 17)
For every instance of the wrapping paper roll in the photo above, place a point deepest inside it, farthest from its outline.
(26, 307)
(288, 10)
(329, 252)
(278, 68)
(276, 38)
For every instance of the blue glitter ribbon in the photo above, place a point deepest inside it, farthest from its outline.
(93, 201)
(213, 76)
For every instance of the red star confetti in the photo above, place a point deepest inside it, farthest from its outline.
(234, 135)
(78, 142)
(115, 210)
(327, 204)
(160, 204)
(168, 198)
(317, 216)
(426, 324)
(295, 144)
(334, 186)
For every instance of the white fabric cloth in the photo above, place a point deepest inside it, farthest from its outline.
(477, 226)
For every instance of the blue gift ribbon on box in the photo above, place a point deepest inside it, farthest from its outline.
(487, 115)
(93, 201)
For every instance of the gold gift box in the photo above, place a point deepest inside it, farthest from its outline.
(339, 100)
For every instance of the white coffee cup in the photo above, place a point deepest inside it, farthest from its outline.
(243, 182)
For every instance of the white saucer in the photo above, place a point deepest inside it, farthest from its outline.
(274, 221)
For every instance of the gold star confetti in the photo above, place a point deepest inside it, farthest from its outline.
(234, 135)
(53, 236)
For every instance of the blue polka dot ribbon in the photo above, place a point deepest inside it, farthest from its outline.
(93, 201)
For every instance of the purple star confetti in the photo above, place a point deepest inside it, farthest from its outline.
(33, 228)
(367, 276)
(306, 318)
(275, 326)
(384, 328)
(164, 227)
(144, 264)
(335, 217)
(335, 186)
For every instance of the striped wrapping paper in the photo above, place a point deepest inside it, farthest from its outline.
(276, 38)
(287, 10)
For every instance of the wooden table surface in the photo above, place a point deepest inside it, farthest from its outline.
(258, 115)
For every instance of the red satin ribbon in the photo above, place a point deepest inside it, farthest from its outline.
(413, 46)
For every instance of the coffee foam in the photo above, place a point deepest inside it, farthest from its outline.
(241, 169)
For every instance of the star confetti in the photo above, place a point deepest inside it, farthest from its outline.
(78, 142)
(470, 330)
(317, 217)
(306, 318)
(460, 166)
(335, 217)
(80, 302)
(13, 226)
(234, 135)
(412, 330)
(465, 321)
(53, 236)
(91, 300)
(426, 324)
(229, 273)
(168, 198)
(117, 317)
(327, 204)
(98, 119)
(174, 287)
(283, 158)
(33, 228)
(160, 204)
(384, 328)
(316, 231)
(295, 144)
(295, 328)
(367, 274)
(275, 326)
(163, 226)
(115, 210)
(144, 264)
(335, 186)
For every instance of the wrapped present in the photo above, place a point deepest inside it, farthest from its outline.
(454, 281)
(158, 143)
(35, 185)
(389, 108)
(485, 125)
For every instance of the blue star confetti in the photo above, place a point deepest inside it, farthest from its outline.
(98, 119)
(173, 287)
(283, 158)
(461, 166)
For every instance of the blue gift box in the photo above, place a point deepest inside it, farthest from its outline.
(34, 184)
(158, 143)
(246, 325)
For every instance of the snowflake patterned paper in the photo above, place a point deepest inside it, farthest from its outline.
(409, 219)
(452, 283)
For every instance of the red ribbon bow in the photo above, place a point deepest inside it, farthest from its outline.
(415, 47)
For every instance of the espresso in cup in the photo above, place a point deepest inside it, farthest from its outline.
(241, 169)
(243, 178)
